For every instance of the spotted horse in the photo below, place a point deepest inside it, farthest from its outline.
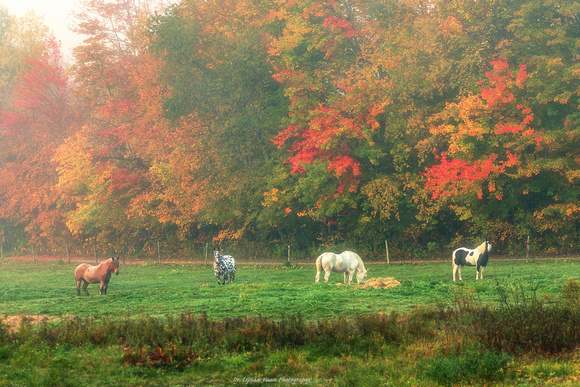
(224, 266)
(471, 257)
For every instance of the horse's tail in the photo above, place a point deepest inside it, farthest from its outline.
(319, 263)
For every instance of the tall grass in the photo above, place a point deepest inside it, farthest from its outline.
(525, 323)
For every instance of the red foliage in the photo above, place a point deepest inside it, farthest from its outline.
(453, 176)
(343, 26)
(460, 171)
(502, 81)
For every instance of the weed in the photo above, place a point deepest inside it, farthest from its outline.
(463, 298)
(518, 292)
(171, 356)
(475, 364)
(571, 292)
(535, 328)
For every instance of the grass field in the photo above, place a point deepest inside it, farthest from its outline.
(48, 288)
(276, 292)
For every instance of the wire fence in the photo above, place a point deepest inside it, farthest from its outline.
(199, 255)
(203, 254)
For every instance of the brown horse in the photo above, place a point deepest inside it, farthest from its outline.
(93, 274)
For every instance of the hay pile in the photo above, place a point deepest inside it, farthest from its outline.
(380, 283)
(13, 322)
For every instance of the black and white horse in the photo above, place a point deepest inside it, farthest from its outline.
(224, 266)
(471, 257)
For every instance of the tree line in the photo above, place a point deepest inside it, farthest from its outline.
(259, 124)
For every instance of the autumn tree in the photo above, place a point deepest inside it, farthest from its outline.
(311, 123)
(113, 77)
(511, 143)
(361, 78)
(21, 39)
(37, 122)
(336, 98)
(217, 68)
(499, 167)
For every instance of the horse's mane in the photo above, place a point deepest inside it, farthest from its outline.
(361, 265)
(108, 262)
(481, 248)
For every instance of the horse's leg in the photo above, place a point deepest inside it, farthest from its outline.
(350, 274)
(79, 287)
(326, 275)
(480, 273)
(454, 270)
(459, 268)
(317, 278)
(85, 284)
(233, 277)
(345, 274)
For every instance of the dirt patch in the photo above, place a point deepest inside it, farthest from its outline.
(380, 283)
(14, 321)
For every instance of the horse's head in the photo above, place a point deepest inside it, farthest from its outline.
(361, 276)
(488, 245)
(216, 253)
(115, 265)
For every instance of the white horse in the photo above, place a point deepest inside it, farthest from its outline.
(471, 257)
(347, 263)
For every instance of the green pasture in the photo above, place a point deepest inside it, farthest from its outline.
(48, 288)
(166, 324)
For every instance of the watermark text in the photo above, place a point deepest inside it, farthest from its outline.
(273, 380)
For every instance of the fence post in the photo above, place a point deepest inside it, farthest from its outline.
(387, 250)
(33, 256)
(67, 254)
(206, 245)
(528, 248)
(158, 253)
(95, 254)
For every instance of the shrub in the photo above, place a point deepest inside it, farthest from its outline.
(525, 323)
(571, 292)
(538, 328)
(171, 357)
(474, 364)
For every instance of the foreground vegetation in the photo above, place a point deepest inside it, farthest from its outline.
(171, 324)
